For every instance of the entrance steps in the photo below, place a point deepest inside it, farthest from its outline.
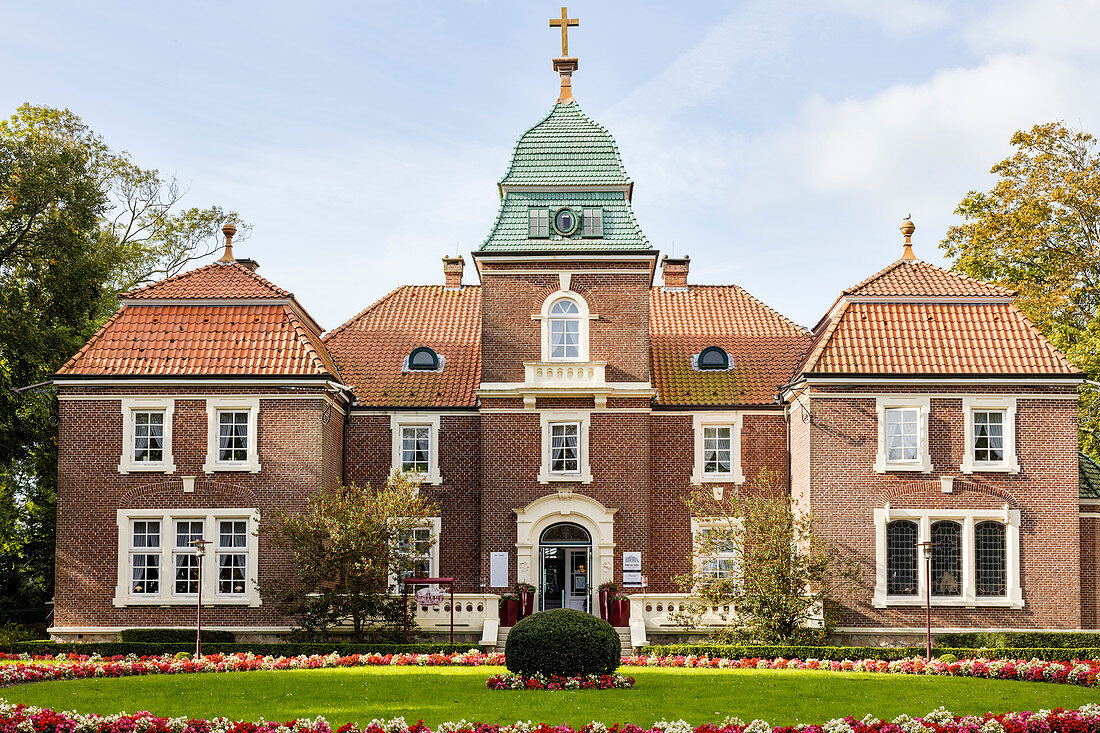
(623, 632)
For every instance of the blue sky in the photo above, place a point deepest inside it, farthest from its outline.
(777, 143)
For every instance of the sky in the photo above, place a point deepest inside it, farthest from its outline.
(779, 144)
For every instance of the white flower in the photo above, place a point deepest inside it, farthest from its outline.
(837, 725)
(674, 726)
(940, 716)
(732, 720)
(758, 726)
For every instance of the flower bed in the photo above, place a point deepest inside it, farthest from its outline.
(509, 681)
(23, 719)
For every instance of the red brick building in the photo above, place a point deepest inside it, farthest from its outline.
(559, 411)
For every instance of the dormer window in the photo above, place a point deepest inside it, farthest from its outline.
(713, 358)
(423, 359)
(593, 223)
(538, 223)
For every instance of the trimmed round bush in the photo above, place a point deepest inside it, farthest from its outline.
(948, 658)
(562, 642)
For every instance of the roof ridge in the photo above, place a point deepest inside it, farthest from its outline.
(1054, 350)
(801, 329)
(818, 348)
(867, 281)
(94, 338)
(305, 336)
(998, 290)
(134, 292)
(378, 303)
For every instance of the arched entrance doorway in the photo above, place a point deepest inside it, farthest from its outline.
(565, 562)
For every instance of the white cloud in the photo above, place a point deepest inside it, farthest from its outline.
(896, 18)
(1050, 27)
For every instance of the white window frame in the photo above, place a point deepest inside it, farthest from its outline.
(584, 317)
(583, 418)
(178, 551)
(130, 405)
(540, 212)
(167, 518)
(732, 420)
(923, 463)
(434, 524)
(586, 217)
(968, 518)
(702, 524)
(218, 551)
(994, 403)
(215, 405)
(410, 420)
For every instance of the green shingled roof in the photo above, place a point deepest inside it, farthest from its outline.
(620, 230)
(566, 148)
(1090, 477)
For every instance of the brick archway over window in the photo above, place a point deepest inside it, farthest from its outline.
(210, 491)
(962, 488)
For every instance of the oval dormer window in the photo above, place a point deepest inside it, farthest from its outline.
(713, 357)
(423, 359)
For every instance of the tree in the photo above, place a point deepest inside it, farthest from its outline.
(78, 223)
(1037, 231)
(348, 546)
(763, 559)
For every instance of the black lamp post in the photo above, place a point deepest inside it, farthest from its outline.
(200, 551)
(926, 550)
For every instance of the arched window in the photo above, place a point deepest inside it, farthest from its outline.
(423, 359)
(713, 357)
(901, 558)
(566, 533)
(947, 577)
(990, 566)
(565, 329)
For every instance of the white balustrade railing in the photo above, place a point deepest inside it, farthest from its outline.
(555, 374)
(473, 612)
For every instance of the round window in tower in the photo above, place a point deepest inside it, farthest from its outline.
(566, 222)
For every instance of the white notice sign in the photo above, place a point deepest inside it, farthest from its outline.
(632, 561)
(498, 569)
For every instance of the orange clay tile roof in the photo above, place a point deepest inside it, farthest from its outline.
(934, 338)
(764, 346)
(371, 348)
(917, 278)
(218, 280)
(202, 340)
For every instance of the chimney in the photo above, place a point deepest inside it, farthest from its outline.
(452, 272)
(248, 262)
(674, 273)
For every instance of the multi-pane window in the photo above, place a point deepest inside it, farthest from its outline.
(902, 434)
(565, 329)
(901, 558)
(991, 575)
(593, 223)
(538, 222)
(416, 543)
(148, 436)
(947, 579)
(233, 436)
(416, 448)
(717, 449)
(184, 557)
(232, 556)
(565, 451)
(719, 556)
(145, 557)
(989, 436)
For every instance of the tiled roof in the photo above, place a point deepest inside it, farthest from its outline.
(370, 348)
(916, 278)
(620, 229)
(933, 338)
(218, 280)
(566, 148)
(202, 340)
(1089, 474)
(764, 346)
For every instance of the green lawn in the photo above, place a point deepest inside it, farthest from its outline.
(439, 694)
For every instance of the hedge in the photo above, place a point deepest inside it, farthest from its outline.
(173, 636)
(731, 651)
(114, 648)
(1006, 639)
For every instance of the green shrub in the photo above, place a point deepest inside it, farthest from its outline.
(183, 655)
(12, 633)
(113, 648)
(836, 653)
(173, 636)
(562, 642)
(948, 658)
(1021, 639)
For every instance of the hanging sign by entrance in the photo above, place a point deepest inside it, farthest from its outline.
(632, 569)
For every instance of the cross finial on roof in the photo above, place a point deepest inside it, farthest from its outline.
(564, 22)
(228, 230)
(907, 228)
(565, 65)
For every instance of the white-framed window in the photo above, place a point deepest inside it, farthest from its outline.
(716, 555)
(147, 435)
(975, 557)
(592, 223)
(565, 446)
(565, 327)
(990, 435)
(903, 434)
(422, 542)
(185, 558)
(232, 434)
(538, 222)
(415, 445)
(158, 565)
(717, 448)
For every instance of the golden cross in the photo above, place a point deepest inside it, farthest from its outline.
(565, 21)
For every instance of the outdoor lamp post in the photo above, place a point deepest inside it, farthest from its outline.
(926, 550)
(200, 551)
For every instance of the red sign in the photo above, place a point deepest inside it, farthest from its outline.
(429, 596)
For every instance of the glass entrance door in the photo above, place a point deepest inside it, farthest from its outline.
(565, 557)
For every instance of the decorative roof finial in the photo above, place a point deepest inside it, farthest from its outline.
(907, 228)
(566, 64)
(228, 230)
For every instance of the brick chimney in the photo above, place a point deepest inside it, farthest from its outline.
(452, 272)
(674, 273)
